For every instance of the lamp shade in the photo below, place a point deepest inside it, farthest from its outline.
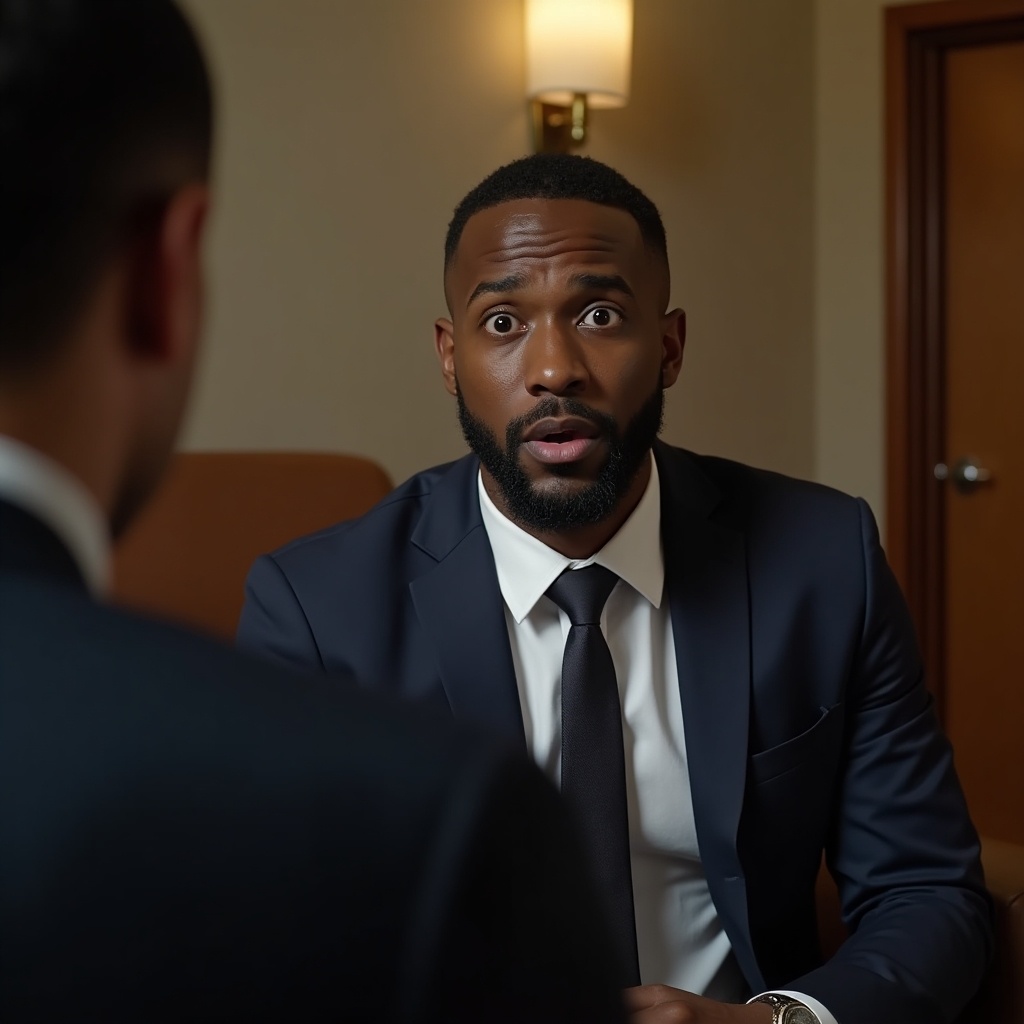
(579, 46)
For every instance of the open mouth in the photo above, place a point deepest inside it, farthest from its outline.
(561, 436)
(561, 441)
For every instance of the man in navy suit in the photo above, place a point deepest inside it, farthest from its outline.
(771, 697)
(187, 833)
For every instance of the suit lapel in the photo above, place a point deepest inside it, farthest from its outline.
(459, 604)
(706, 573)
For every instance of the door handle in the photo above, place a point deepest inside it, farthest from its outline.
(966, 475)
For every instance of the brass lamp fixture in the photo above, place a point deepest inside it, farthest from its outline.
(577, 59)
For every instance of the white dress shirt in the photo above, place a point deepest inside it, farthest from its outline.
(41, 487)
(680, 939)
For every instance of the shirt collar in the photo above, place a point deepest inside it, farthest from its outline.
(527, 567)
(40, 486)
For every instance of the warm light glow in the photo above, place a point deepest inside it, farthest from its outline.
(579, 46)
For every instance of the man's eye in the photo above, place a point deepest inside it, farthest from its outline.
(501, 323)
(602, 316)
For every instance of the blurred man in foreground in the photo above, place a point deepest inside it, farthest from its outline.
(188, 834)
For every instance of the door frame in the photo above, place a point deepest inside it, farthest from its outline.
(917, 37)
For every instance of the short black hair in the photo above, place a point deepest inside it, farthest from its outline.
(105, 111)
(559, 176)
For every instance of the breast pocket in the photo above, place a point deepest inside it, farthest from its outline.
(818, 745)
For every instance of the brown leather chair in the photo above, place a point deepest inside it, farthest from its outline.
(187, 555)
(1001, 998)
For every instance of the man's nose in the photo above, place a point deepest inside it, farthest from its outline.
(554, 361)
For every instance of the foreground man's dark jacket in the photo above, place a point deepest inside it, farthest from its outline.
(187, 834)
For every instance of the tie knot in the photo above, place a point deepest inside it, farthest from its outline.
(582, 593)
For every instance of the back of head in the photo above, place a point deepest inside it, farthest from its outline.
(105, 110)
(559, 176)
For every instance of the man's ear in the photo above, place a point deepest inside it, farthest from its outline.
(444, 345)
(673, 341)
(165, 279)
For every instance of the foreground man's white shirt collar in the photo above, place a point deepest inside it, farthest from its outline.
(37, 484)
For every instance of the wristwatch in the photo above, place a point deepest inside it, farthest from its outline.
(786, 1010)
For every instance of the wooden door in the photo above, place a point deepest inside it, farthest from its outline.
(984, 534)
(956, 402)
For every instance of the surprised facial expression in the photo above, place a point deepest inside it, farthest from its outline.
(559, 350)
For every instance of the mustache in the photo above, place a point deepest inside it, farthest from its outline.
(555, 407)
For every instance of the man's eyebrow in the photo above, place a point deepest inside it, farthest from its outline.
(601, 282)
(506, 284)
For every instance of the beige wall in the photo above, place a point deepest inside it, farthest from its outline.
(848, 249)
(719, 132)
(349, 130)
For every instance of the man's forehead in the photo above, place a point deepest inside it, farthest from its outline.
(546, 229)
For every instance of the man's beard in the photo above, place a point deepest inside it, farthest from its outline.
(555, 510)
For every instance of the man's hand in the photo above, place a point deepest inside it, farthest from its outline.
(659, 1004)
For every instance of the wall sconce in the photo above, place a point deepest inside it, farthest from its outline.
(577, 56)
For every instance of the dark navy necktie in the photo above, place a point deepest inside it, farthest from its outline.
(593, 762)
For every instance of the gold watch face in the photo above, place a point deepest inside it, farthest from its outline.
(798, 1015)
(787, 1010)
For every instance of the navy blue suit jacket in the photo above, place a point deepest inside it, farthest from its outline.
(808, 727)
(190, 834)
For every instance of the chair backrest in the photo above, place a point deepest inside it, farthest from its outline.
(188, 554)
(1001, 999)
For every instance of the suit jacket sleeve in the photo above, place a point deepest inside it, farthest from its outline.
(273, 623)
(901, 848)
